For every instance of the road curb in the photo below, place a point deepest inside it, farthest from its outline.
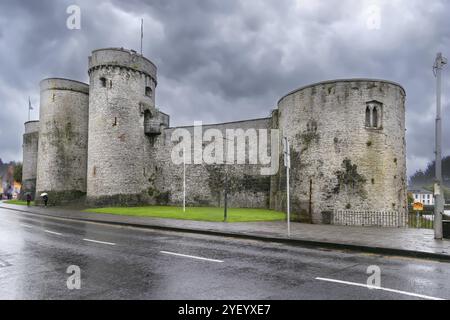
(285, 240)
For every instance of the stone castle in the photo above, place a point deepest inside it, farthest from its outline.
(106, 143)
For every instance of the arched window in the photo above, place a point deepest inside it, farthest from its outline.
(375, 117)
(368, 120)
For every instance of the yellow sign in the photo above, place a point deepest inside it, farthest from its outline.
(418, 206)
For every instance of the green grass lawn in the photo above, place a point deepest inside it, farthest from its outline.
(196, 213)
(18, 202)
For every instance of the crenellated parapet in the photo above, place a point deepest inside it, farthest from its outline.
(122, 59)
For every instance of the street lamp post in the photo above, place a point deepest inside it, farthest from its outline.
(225, 205)
(225, 210)
(439, 197)
(287, 163)
(184, 179)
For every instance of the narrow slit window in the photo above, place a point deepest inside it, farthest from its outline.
(375, 117)
(368, 117)
(103, 82)
(149, 92)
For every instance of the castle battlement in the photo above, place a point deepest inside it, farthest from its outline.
(122, 58)
(64, 84)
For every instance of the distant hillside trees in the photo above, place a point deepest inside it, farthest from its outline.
(422, 178)
(425, 179)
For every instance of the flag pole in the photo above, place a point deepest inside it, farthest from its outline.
(29, 108)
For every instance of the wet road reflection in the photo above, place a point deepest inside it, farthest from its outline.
(129, 263)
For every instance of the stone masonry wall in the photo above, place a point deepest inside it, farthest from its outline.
(63, 134)
(109, 141)
(119, 150)
(338, 163)
(205, 183)
(30, 155)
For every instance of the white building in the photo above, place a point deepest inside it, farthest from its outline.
(424, 197)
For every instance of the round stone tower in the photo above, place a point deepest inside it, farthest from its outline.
(123, 122)
(348, 150)
(63, 137)
(30, 155)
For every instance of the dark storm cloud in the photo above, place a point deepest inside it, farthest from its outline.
(229, 60)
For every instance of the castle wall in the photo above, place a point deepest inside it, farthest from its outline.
(205, 183)
(108, 140)
(121, 112)
(30, 155)
(338, 160)
(63, 132)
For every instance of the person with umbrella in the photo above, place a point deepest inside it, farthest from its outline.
(28, 199)
(45, 198)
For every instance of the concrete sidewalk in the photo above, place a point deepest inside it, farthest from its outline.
(418, 243)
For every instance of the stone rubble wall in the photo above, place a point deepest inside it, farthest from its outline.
(30, 155)
(337, 162)
(63, 136)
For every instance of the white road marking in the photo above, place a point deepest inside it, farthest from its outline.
(26, 225)
(192, 257)
(380, 288)
(52, 232)
(101, 242)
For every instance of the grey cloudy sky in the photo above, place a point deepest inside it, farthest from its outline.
(228, 60)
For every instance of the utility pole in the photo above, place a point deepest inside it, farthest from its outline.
(438, 192)
(225, 206)
(287, 163)
(184, 179)
(225, 210)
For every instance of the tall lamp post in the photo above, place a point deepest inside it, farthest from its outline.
(184, 179)
(287, 164)
(226, 187)
(438, 193)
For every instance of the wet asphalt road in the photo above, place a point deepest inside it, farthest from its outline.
(130, 263)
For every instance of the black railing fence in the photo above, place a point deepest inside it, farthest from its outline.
(421, 220)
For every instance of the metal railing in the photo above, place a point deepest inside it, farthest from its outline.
(421, 220)
(370, 218)
(417, 220)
